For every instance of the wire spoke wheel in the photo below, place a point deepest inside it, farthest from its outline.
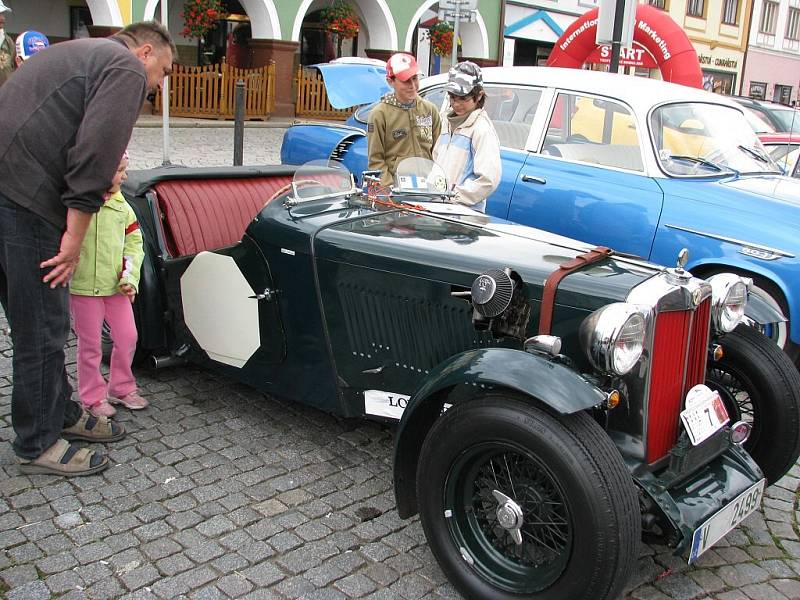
(544, 523)
(759, 385)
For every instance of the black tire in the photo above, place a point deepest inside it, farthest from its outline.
(563, 469)
(759, 384)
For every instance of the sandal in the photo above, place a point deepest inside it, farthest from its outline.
(62, 458)
(90, 428)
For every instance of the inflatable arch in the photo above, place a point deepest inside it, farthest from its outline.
(654, 30)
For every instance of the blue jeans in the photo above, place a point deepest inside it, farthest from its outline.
(41, 399)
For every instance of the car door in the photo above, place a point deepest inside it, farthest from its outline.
(586, 178)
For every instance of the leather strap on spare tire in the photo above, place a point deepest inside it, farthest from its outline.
(551, 284)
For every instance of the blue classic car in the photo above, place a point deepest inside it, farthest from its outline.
(642, 166)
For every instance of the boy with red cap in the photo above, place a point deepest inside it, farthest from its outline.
(402, 124)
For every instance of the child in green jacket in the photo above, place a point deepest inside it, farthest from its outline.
(103, 287)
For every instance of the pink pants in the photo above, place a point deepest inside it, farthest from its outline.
(88, 313)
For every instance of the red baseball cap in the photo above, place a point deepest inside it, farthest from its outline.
(402, 66)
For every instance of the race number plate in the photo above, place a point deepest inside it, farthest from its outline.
(704, 414)
(710, 532)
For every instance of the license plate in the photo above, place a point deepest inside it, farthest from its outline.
(704, 414)
(713, 530)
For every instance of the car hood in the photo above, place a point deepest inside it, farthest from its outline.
(456, 247)
(748, 200)
(349, 85)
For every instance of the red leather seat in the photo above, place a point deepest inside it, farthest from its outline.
(207, 214)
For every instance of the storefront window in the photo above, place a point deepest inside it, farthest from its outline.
(783, 94)
(719, 82)
(662, 4)
(758, 90)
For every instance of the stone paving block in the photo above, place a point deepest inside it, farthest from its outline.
(172, 565)
(93, 552)
(355, 586)
(263, 574)
(140, 577)
(24, 553)
(18, 575)
(216, 526)
(65, 581)
(204, 552)
(34, 590)
(152, 531)
(762, 591)
(788, 587)
(741, 575)
(229, 563)
(121, 541)
(160, 548)
(106, 589)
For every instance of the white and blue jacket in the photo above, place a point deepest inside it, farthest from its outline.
(470, 157)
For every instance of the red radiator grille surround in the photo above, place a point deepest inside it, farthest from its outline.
(679, 355)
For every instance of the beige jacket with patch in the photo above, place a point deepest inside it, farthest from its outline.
(395, 132)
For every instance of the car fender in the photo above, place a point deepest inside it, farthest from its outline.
(544, 381)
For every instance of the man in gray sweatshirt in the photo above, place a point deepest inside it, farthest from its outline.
(65, 121)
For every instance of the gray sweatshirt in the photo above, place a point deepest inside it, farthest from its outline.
(66, 117)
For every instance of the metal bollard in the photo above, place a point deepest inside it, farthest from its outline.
(238, 125)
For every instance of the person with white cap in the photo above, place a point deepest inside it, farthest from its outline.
(28, 44)
(7, 53)
(402, 124)
(468, 149)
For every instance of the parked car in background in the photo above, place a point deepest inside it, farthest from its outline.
(639, 165)
(780, 117)
(555, 402)
(784, 148)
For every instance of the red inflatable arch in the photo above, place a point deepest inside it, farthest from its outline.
(654, 30)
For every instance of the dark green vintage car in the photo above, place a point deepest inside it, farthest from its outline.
(555, 402)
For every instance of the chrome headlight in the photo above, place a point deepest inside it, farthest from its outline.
(728, 299)
(613, 337)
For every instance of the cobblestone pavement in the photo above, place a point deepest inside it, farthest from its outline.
(219, 491)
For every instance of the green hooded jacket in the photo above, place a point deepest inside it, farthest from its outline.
(112, 251)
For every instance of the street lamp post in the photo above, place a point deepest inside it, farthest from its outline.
(165, 95)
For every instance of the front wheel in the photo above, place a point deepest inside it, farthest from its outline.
(759, 384)
(517, 501)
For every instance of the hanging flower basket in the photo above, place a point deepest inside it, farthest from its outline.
(441, 37)
(200, 17)
(340, 18)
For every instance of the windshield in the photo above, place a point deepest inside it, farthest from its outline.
(789, 118)
(695, 139)
(321, 179)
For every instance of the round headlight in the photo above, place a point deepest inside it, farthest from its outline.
(729, 298)
(613, 337)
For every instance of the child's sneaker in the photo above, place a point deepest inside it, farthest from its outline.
(133, 401)
(102, 409)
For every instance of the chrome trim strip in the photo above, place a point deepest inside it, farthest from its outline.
(731, 240)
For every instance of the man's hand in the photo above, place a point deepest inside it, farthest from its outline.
(128, 290)
(64, 263)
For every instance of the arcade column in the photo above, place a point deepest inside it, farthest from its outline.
(283, 53)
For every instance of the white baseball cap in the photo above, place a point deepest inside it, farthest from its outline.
(4, 8)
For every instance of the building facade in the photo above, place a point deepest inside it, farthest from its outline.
(717, 29)
(276, 30)
(772, 71)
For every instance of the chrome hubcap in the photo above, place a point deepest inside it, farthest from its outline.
(509, 516)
